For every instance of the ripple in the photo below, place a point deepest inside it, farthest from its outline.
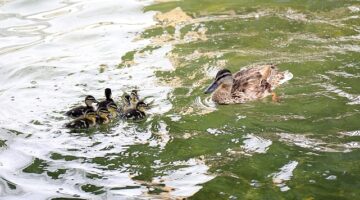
(305, 142)
(353, 99)
(46, 77)
(351, 133)
(343, 74)
(285, 174)
(186, 181)
(204, 106)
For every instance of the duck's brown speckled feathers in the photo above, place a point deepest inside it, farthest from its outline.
(248, 84)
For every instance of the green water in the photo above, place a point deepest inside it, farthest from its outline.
(321, 49)
(315, 124)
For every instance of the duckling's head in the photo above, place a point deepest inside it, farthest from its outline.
(134, 98)
(90, 114)
(223, 78)
(108, 93)
(103, 112)
(89, 100)
(134, 95)
(112, 107)
(127, 99)
(141, 106)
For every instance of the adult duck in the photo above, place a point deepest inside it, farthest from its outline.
(247, 84)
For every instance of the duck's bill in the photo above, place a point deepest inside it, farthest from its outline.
(211, 88)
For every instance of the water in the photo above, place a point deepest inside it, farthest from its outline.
(52, 56)
(54, 53)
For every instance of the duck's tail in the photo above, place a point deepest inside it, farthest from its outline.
(277, 77)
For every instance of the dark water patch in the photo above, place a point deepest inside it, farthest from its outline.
(38, 166)
(12, 186)
(92, 189)
(56, 174)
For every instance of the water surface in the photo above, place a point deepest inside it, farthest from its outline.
(54, 53)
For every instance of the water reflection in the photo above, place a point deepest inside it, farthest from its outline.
(52, 54)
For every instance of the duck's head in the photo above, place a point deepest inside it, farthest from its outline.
(103, 112)
(108, 93)
(89, 100)
(223, 78)
(141, 106)
(90, 114)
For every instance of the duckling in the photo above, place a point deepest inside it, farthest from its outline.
(87, 121)
(127, 99)
(103, 116)
(134, 98)
(113, 110)
(108, 99)
(136, 113)
(134, 94)
(126, 104)
(245, 85)
(81, 110)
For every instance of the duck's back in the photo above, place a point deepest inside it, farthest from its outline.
(133, 114)
(78, 111)
(101, 120)
(104, 103)
(255, 82)
(80, 123)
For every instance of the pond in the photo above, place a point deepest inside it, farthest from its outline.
(54, 53)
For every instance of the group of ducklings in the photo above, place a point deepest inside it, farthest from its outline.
(105, 111)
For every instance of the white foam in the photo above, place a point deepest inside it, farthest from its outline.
(187, 181)
(285, 174)
(287, 76)
(352, 145)
(351, 133)
(331, 177)
(343, 74)
(255, 144)
(354, 8)
(305, 142)
(213, 131)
